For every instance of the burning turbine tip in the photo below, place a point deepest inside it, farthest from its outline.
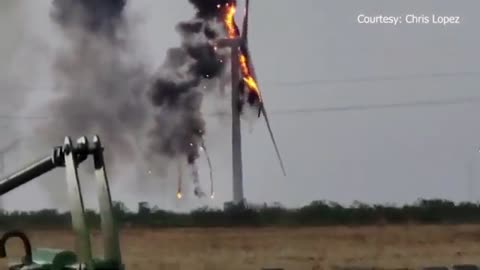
(179, 195)
(212, 196)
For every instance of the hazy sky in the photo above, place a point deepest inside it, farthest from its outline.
(379, 155)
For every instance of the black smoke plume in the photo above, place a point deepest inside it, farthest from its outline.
(177, 93)
(208, 9)
(100, 89)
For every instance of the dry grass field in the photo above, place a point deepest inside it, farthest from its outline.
(387, 247)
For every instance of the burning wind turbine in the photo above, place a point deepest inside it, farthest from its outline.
(203, 43)
(198, 191)
(239, 42)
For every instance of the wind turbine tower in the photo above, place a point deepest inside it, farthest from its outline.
(242, 75)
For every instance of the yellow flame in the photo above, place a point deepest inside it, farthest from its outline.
(179, 195)
(230, 21)
(232, 33)
(251, 84)
(244, 64)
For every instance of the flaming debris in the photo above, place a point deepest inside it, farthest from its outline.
(179, 183)
(210, 167)
(177, 91)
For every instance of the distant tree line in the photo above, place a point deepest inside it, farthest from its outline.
(317, 213)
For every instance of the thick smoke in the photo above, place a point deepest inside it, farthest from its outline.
(99, 88)
(178, 90)
(208, 9)
(91, 15)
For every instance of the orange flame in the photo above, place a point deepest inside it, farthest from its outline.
(244, 64)
(231, 26)
(230, 21)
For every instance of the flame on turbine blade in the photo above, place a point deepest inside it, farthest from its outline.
(229, 20)
(244, 64)
(179, 195)
(233, 32)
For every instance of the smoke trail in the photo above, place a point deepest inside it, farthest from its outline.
(198, 191)
(179, 183)
(212, 192)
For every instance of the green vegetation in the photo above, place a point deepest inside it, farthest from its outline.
(318, 213)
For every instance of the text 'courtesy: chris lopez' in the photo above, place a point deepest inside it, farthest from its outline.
(442, 20)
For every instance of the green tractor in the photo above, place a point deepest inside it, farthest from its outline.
(70, 156)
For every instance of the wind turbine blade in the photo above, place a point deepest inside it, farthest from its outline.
(245, 21)
(272, 137)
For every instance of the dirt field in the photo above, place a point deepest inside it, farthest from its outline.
(306, 248)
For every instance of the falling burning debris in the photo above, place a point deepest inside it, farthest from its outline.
(195, 175)
(177, 91)
(179, 183)
(212, 192)
(176, 94)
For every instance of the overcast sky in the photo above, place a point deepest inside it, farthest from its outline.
(375, 155)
